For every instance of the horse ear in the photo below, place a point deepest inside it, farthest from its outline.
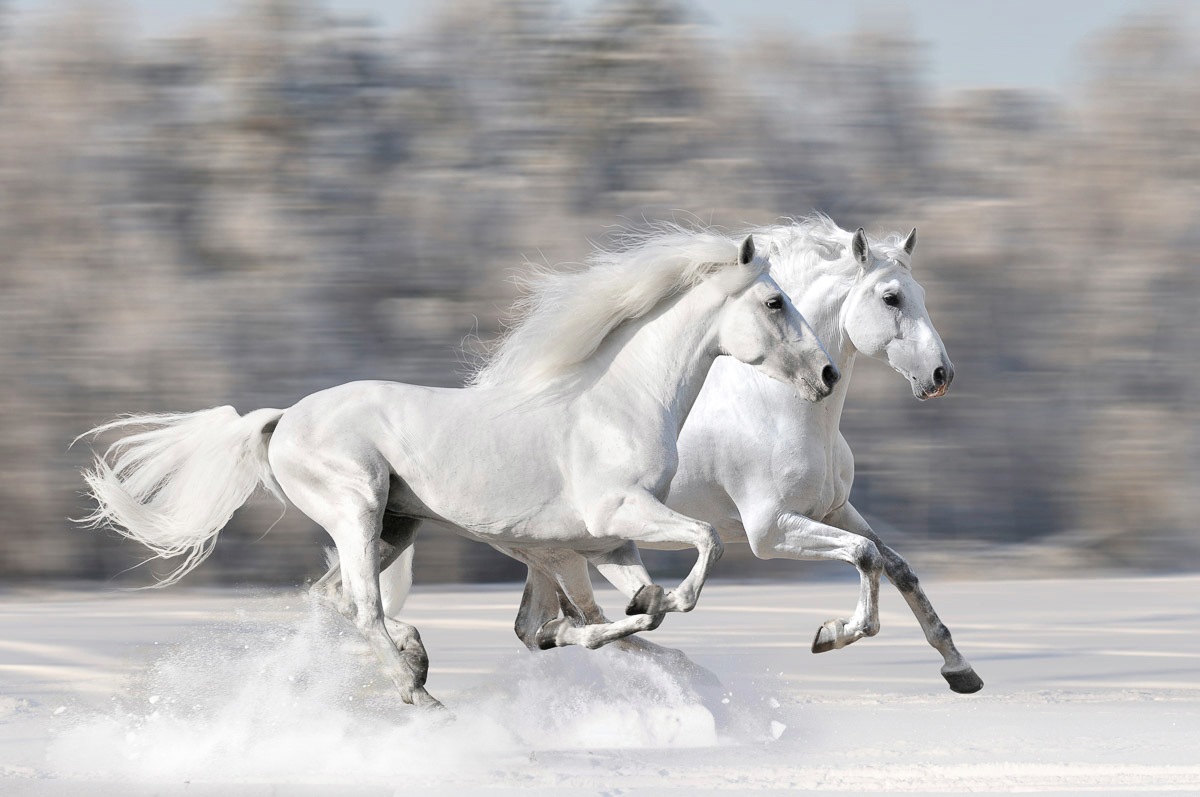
(910, 243)
(860, 248)
(746, 254)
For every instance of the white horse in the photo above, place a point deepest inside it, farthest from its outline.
(567, 438)
(774, 471)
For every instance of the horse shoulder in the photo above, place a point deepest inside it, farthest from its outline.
(841, 475)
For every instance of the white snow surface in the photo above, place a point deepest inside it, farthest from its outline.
(1091, 687)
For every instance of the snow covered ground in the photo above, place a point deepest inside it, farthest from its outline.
(1092, 687)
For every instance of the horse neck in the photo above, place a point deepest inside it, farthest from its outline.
(658, 362)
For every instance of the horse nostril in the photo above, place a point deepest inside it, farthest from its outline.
(939, 376)
(830, 375)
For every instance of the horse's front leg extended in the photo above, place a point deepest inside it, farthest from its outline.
(957, 671)
(790, 535)
(640, 517)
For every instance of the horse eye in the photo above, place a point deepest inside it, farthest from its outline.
(891, 299)
(775, 303)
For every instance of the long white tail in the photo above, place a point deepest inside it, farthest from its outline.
(174, 486)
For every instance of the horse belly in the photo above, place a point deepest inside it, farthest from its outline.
(491, 475)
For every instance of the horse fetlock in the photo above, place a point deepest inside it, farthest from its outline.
(838, 633)
(681, 599)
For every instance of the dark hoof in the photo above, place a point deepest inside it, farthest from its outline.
(646, 600)
(823, 642)
(547, 635)
(965, 682)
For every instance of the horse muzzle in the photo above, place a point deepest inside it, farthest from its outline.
(943, 375)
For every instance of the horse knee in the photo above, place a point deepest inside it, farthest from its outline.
(716, 547)
(867, 557)
(903, 577)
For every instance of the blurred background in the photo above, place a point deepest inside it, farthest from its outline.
(207, 203)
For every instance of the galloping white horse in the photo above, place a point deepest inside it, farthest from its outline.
(567, 438)
(774, 471)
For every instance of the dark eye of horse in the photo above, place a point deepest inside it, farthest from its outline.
(891, 299)
(775, 303)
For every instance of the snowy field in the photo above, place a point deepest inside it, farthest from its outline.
(1092, 687)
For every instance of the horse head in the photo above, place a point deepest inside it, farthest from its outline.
(760, 326)
(885, 317)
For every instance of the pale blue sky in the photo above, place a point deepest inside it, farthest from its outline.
(1030, 43)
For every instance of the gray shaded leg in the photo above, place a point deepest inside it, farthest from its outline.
(540, 604)
(397, 535)
(558, 580)
(794, 536)
(581, 612)
(957, 671)
(405, 659)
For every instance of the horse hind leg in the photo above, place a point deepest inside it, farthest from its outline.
(346, 496)
(398, 536)
(406, 663)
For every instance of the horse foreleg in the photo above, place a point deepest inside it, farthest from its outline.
(957, 671)
(791, 535)
(640, 517)
(558, 580)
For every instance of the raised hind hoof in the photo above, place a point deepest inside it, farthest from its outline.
(965, 682)
(547, 636)
(828, 636)
(647, 600)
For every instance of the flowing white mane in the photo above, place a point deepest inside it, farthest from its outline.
(816, 243)
(566, 315)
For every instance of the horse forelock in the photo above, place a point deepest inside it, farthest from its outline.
(815, 244)
(566, 315)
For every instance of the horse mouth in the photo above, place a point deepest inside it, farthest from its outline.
(817, 390)
(931, 393)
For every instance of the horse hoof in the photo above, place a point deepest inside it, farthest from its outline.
(824, 641)
(646, 600)
(828, 636)
(423, 700)
(547, 635)
(965, 682)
